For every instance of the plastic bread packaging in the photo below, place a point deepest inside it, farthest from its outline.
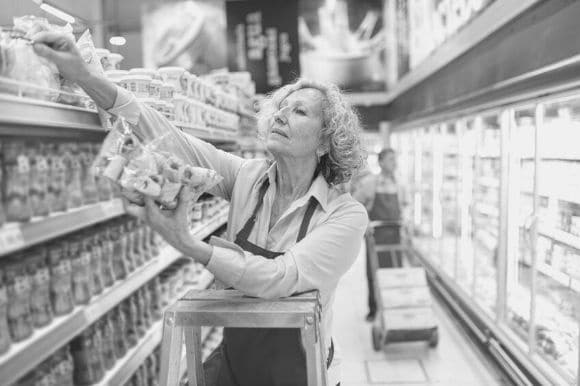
(149, 168)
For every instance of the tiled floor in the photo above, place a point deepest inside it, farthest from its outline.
(453, 362)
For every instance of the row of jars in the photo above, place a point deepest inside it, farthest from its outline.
(100, 346)
(49, 280)
(180, 96)
(206, 209)
(40, 178)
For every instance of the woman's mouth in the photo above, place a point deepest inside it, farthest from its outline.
(279, 132)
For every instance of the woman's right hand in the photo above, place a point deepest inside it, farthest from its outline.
(61, 49)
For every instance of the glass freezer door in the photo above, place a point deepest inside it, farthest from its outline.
(558, 284)
(485, 216)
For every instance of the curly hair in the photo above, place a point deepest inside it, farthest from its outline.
(341, 129)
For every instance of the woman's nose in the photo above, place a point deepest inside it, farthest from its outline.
(280, 117)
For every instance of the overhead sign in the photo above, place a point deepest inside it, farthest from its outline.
(263, 40)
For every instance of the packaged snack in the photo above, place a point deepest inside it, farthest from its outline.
(81, 264)
(139, 85)
(16, 184)
(38, 179)
(5, 340)
(103, 244)
(176, 77)
(61, 293)
(39, 273)
(116, 60)
(107, 341)
(119, 324)
(96, 269)
(104, 57)
(56, 196)
(18, 289)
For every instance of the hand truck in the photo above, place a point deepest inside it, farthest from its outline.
(404, 311)
(230, 308)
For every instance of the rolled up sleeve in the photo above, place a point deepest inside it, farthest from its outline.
(316, 262)
(148, 123)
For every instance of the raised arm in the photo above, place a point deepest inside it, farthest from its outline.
(61, 49)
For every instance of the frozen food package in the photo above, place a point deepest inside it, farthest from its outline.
(152, 167)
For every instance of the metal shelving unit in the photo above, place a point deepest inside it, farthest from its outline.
(16, 236)
(24, 356)
(126, 366)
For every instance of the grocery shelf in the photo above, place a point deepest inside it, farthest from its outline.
(25, 356)
(126, 367)
(559, 236)
(208, 134)
(16, 236)
(368, 98)
(30, 117)
(498, 14)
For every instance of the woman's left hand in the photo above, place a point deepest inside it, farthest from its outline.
(172, 225)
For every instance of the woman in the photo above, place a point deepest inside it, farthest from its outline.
(289, 230)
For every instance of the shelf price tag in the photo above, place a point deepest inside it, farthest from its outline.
(11, 238)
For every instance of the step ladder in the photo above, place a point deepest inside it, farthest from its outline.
(230, 308)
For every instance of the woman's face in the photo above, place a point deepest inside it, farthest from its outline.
(295, 129)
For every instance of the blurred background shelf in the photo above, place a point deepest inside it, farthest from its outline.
(16, 236)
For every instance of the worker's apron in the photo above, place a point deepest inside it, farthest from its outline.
(262, 356)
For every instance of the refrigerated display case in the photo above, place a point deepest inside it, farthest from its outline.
(497, 217)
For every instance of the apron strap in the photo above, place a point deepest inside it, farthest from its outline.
(244, 233)
(312, 203)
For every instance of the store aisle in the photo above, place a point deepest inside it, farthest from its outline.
(453, 362)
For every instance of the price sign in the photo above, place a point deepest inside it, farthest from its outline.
(11, 238)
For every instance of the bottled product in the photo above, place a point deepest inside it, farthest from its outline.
(146, 298)
(131, 330)
(119, 251)
(57, 179)
(140, 315)
(38, 179)
(18, 289)
(103, 245)
(96, 269)
(90, 191)
(103, 185)
(108, 341)
(135, 231)
(5, 339)
(119, 324)
(40, 304)
(155, 298)
(73, 169)
(151, 365)
(127, 240)
(146, 242)
(97, 360)
(81, 266)
(84, 352)
(16, 187)
(61, 293)
(62, 367)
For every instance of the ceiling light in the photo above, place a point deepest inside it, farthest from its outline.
(57, 12)
(117, 40)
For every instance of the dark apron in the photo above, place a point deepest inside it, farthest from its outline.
(263, 356)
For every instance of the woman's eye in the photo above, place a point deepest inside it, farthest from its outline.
(300, 111)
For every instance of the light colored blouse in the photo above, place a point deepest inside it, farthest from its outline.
(317, 262)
